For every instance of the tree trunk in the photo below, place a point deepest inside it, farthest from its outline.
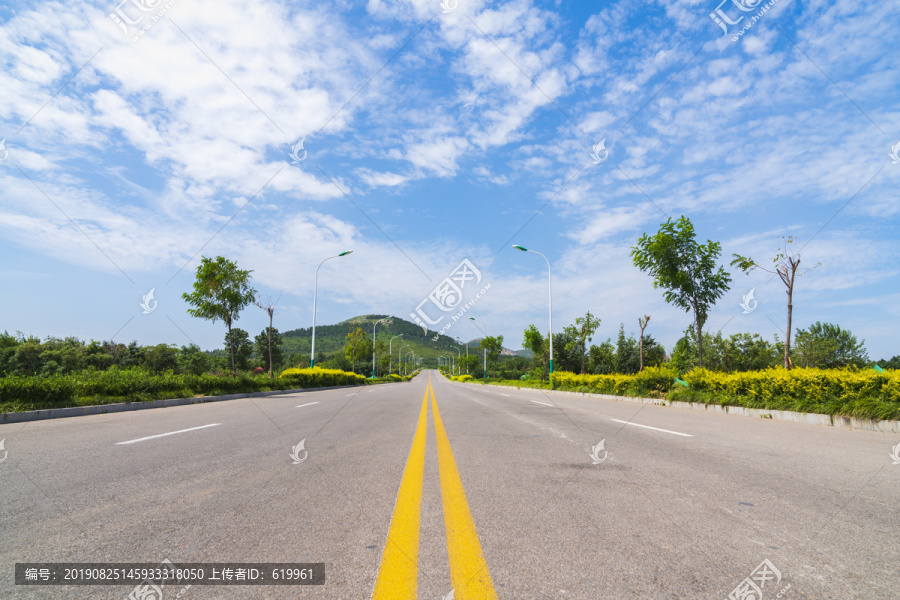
(700, 342)
(231, 346)
(271, 374)
(583, 344)
(642, 349)
(787, 338)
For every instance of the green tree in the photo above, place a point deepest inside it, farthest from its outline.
(565, 347)
(357, 347)
(828, 346)
(602, 358)
(221, 291)
(494, 346)
(241, 347)
(585, 327)
(685, 269)
(160, 358)
(786, 267)
(268, 348)
(539, 346)
(191, 359)
(748, 352)
(627, 360)
(894, 363)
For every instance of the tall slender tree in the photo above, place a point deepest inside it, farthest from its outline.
(586, 326)
(685, 269)
(787, 264)
(642, 321)
(265, 302)
(221, 291)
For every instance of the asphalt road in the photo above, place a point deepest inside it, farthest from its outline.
(498, 497)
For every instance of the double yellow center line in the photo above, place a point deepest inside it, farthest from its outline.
(399, 570)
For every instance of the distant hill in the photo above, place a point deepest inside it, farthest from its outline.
(331, 338)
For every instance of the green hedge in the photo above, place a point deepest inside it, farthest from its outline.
(851, 392)
(19, 393)
(652, 382)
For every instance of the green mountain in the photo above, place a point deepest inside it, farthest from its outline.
(330, 339)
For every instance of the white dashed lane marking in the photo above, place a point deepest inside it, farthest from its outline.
(653, 428)
(150, 437)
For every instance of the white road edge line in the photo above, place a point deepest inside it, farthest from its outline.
(655, 428)
(150, 437)
(544, 403)
(507, 395)
(307, 404)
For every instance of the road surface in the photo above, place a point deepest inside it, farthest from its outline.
(435, 489)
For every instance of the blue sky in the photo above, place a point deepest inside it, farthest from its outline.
(435, 134)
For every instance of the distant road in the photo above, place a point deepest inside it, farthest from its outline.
(420, 489)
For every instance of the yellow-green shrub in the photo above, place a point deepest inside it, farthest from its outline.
(317, 377)
(816, 386)
(655, 381)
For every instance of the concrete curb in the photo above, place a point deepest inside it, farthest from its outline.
(780, 415)
(101, 409)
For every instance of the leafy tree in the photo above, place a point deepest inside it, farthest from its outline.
(685, 269)
(627, 360)
(268, 347)
(26, 359)
(160, 358)
(584, 328)
(748, 352)
(786, 264)
(357, 347)
(654, 352)
(192, 360)
(133, 355)
(894, 363)
(221, 291)
(602, 358)
(565, 346)
(828, 346)
(471, 363)
(241, 348)
(494, 346)
(539, 346)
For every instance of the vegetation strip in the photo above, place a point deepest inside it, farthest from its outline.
(882, 425)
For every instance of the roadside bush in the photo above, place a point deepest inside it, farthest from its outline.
(850, 392)
(304, 378)
(18, 393)
(651, 382)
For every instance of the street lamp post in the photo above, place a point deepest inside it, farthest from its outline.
(449, 359)
(484, 329)
(373, 344)
(312, 356)
(459, 357)
(391, 355)
(400, 358)
(467, 355)
(549, 293)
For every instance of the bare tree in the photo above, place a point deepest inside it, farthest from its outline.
(643, 323)
(787, 263)
(264, 301)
